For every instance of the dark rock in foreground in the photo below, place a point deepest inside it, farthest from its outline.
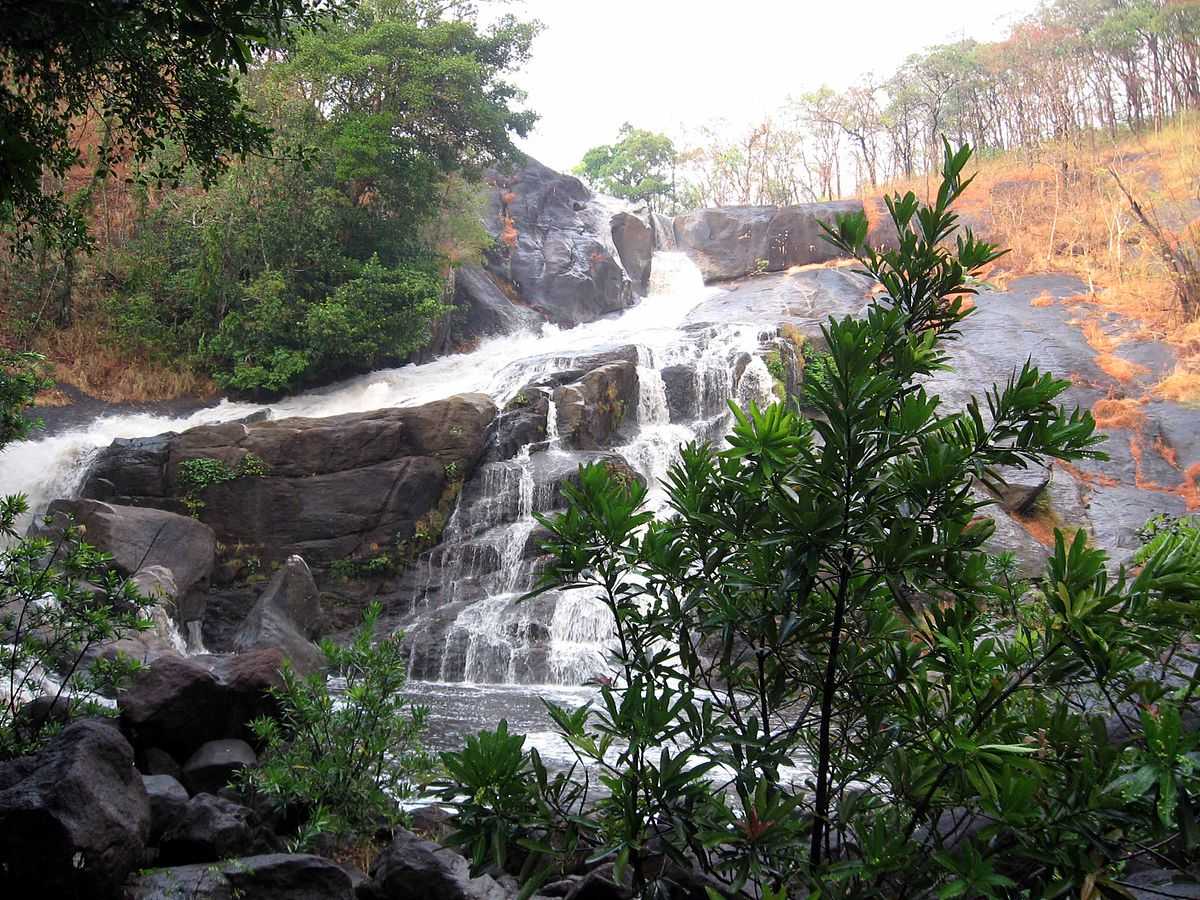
(74, 818)
(269, 877)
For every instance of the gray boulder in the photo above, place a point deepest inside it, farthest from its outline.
(267, 877)
(635, 248)
(414, 869)
(74, 818)
(286, 616)
(177, 704)
(592, 410)
(485, 309)
(141, 539)
(168, 799)
(211, 828)
(212, 766)
(335, 487)
(734, 241)
(554, 249)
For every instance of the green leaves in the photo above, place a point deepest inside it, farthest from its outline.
(338, 765)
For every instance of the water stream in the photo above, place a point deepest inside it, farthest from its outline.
(464, 590)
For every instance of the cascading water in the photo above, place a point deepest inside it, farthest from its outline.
(465, 590)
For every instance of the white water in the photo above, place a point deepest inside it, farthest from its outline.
(55, 466)
(486, 547)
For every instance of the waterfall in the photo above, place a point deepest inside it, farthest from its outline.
(466, 590)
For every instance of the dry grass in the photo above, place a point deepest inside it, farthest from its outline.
(1121, 369)
(84, 357)
(1058, 209)
(1125, 413)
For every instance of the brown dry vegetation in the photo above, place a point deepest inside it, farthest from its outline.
(1059, 209)
(84, 356)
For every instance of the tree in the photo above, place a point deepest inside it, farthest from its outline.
(639, 167)
(124, 79)
(288, 272)
(820, 597)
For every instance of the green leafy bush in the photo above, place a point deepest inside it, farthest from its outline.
(59, 601)
(339, 763)
(816, 667)
(201, 472)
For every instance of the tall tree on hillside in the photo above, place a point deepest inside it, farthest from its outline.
(639, 167)
(128, 79)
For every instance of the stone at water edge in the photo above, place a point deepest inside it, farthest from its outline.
(414, 869)
(142, 537)
(635, 248)
(211, 828)
(213, 766)
(267, 877)
(74, 818)
(287, 616)
(734, 241)
(168, 799)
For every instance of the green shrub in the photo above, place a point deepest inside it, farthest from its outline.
(201, 472)
(342, 763)
(820, 597)
(54, 616)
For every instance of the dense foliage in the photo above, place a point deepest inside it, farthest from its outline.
(92, 85)
(821, 683)
(328, 256)
(337, 763)
(639, 167)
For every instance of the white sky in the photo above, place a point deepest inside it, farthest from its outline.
(662, 64)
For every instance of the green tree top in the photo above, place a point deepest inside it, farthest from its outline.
(130, 79)
(639, 167)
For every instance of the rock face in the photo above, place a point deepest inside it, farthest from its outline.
(287, 616)
(635, 247)
(268, 877)
(485, 308)
(413, 869)
(334, 487)
(179, 703)
(211, 828)
(733, 241)
(554, 250)
(592, 410)
(74, 818)
(145, 540)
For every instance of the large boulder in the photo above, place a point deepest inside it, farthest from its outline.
(554, 249)
(592, 410)
(168, 800)
(176, 704)
(74, 818)
(214, 765)
(414, 869)
(733, 241)
(287, 616)
(522, 422)
(211, 828)
(334, 487)
(267, 877)
(484, 307)
(143, 540)
(635, 248)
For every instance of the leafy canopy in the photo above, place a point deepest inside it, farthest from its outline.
(639, 167)
(125, 80)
